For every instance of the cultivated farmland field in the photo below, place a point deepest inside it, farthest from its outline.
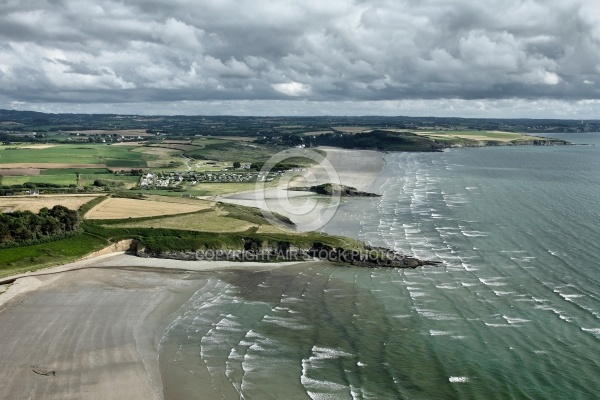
(36, 165)
(215, 189)
(120, 208)
(159, 157)
(121, 132)
(35, 203)
(67, 171)
(81, 154)
(227, 150)
(64, 179)
(179, 200)
(482, 136)
(353, 129)
(19, 172)
(71, 179)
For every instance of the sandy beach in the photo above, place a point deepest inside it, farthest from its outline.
(91, 329)
(356, 168)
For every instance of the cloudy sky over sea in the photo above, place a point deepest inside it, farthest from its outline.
(492, 58)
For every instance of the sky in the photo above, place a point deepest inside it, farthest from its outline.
(462, 58)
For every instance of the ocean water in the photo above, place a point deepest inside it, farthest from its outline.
(514, 312)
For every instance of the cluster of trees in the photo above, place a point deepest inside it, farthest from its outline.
(25, 226)
(11, 190)
(34, 185)
(132, 172)
(378, 140)
(374, 140)
(287, 140)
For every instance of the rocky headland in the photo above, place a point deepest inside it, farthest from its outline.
(332, 189)
(369, 257)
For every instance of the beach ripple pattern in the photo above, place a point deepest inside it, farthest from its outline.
(309, 213)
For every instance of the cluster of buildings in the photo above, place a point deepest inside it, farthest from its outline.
(170, 179)
(226, 177)
(161, 181)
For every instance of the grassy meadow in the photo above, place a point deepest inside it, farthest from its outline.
(227, 150)
(459, 136)
(21, 259)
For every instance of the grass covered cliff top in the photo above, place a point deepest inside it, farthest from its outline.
(214, 226)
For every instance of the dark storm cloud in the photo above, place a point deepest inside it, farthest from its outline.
(172, 50)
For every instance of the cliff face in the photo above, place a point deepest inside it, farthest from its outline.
(126, 246)
(369, 257)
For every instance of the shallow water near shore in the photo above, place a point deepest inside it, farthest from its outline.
(513, 313)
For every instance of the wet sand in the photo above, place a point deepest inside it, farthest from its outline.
(91, 330)
(356, 168)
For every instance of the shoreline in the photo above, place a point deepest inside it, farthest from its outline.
(100, 322)
(101, 319)
(355, 168)
(21, 284)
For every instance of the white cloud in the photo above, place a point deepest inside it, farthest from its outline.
(506, 108)
(550, 78)
(292, 88)
(341, 50)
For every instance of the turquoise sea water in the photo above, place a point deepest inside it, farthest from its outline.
(513, 313)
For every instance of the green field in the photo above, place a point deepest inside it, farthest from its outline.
(17, 260)
(113, 156)
(73, 171)
(158, 192)
(204, 221)
(202, 189)
(212, 189)
(227, 150)
(477, 135)
(64, 179)
(225, 226)
(157, 157)
(219, 217)
(70, 179)
(207, 141)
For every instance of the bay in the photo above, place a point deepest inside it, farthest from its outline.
(514, 312)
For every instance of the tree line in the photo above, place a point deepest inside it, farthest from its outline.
(24, 226)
